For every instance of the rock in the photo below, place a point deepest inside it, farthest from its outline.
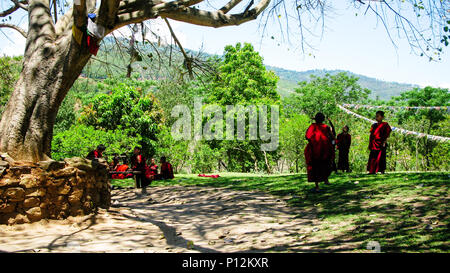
(29, 181)
(7, 182)
(31, 202)
(63, 190)
(51, 165)
(55, 182)
(39, 192)
(69, 171)
(4, 164)
(15, 194)
(18, 170)
(80, 163)
(7, 207)
(34, 214)
(315, 229)
(7, 158)
(21, 219)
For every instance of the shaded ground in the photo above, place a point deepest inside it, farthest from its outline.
(253, 213)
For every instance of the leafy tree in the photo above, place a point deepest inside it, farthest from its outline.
(424, 120)
(322, 94)
(242, 80)
(80, 139)
(292, 138)
(9, 73)
(126, 106)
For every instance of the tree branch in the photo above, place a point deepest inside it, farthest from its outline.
(229, 6)
(17, 5)
(19, 29)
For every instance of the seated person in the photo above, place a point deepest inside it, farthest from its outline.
(166, 169)
(152, 170)
(97, 153)
(122, 168)
(115, 163)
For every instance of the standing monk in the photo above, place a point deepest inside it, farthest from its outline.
(343, 142)
(379, 133)
(138, 163)
(318, 152)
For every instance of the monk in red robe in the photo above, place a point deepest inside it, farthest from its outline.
(318, 151)
(97, 153)
(379, 133)
(139, 164)
(152, 170)
(166, 169)
(122, 168)
(343, 143)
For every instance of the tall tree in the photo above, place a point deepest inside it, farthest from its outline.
(56, 53)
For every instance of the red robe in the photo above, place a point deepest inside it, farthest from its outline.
(318, 152)
(379, 133)
(343, 143)
(166, 171)
(139, 164)
(94, 155)
(121, 168)
(151, 171)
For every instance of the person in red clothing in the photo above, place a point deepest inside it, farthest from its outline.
(115, 163)
(97, 153)
(138, 163)
(153, 168)
(166, 169)
(379, 133)
(318, 151)
(122, 168)
(343, 143)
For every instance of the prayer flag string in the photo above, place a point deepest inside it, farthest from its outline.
(398, 130)
(438, 108)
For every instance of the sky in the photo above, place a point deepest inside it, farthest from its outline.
(358, 44)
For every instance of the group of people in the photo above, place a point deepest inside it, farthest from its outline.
(320, 153)
(143, 172)
(322, 144)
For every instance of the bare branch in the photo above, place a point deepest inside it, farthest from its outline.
(214, 18)
(17, 5)
(229, 6)
(19, 29)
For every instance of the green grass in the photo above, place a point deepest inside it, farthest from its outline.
(396, 210)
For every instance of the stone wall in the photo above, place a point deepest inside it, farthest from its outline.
(30, 192)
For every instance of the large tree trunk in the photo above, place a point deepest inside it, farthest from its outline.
(49, 70)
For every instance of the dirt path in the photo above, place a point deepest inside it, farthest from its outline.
(182, 219)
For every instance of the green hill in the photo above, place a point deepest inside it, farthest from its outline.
(149, 67)
(384, 90)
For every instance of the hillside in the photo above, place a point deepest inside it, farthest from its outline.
(150, 68)
(384, 90)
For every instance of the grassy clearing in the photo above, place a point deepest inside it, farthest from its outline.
(404, 212)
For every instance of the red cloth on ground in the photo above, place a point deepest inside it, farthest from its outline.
(318, 152)
(379, 132)
(209, 175)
